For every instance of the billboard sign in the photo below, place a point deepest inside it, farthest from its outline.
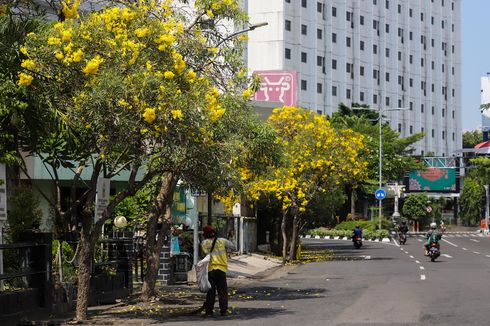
(433, 179)
(277, 86)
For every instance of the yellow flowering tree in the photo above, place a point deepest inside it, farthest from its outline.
(316, 159)
(141, 84)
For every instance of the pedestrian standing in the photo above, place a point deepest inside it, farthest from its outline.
(218, 266)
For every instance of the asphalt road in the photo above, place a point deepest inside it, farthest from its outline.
(384, 284)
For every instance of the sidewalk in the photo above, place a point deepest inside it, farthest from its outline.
(183, 299)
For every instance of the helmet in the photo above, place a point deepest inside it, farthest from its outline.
(433, 225)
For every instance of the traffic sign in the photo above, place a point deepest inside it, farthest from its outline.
(380, 194)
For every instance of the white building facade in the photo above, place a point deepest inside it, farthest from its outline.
(384, 53)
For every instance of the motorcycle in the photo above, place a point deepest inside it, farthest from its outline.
(402, 238)
(357, 242)
(434, 251)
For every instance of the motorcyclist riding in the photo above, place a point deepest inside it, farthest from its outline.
(357, 232)
(403, 228)
(433, 236)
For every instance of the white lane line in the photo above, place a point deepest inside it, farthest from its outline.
(447, 256)
(417, 262)
(474, 240)
(406, 252)
(476, 252)
(464, 249)
(402, 249)
(420, 240)
(396, 243)
(459, 235)
(412, 257)
(422, 267)
(452, 244)
(487, 256)
(422, 277)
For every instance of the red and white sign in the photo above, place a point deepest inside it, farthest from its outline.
(277, 86)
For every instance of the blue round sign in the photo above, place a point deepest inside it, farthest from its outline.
(380, 194)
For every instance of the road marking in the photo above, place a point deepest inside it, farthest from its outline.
(422, 267)
(367, 257)
(394, 240)
(464, 248)
(459, 235)
(476, 252)
(474, 240)
(420, 240)
(412, 257)
(417, 262)
(406, 252)
(422, 277)
(402, 249)
(447, 256)
(452, 244)
(487, 256)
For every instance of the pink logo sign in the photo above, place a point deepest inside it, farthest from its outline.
(277, 86)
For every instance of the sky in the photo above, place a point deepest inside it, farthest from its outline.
(475, 33)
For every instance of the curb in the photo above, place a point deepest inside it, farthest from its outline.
(317, 237)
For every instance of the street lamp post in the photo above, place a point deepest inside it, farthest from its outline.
(248, 29)
(380, 121)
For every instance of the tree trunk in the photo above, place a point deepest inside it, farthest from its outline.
(284, 237)
(163, 203)
(353, 203)
(84, 273)
(294, 236)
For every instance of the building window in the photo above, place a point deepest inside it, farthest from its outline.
(375, 2)
(303, 3)
(432, 88)
(452, 27)
(410, 82)
(453, 92)
(361, 70)
(375, 24)
(399, 9)
(318, 7)
(454, 136)
(319, 60)
(442, 67)
(410, 36)
(399, 56)
(288, 1)
(410, 59)
(387, 101)
(432, 20)
(334, 64)
(410, 12)
(304, 29)
(452, 70)
(319, 34)
(319, 88)
(432, 65)
(362, 45)
(375, 74)
(348, 16)
(387, 52)
(375, 98)
(361, 21)
(452, 113)
(442, 24)
(399, 128)
(361, 96)
(319, 112)
(387, 77)
(348, 67)
(287, 25)
(411, 106)
(422, 62)
(375, 49)
(433, 133)
(387, 28)
(421, 16)
(443, 112)
(347, 93)
(432, 42)
(334, 38)
(443, 135)
(387, 4)
(334, 12)
(303, 57)
(303, 85)
(411, 130)
(422, 108)
(347, 41)
(334, 90)
(399, 103)
(287, 53)
(433, 110)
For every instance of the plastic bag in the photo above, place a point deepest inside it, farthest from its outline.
(202, 274)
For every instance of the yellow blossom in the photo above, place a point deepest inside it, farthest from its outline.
(92, 66)
(142, 32)
(54, 41)
(213, 50)
(23, 50)
(28, 64)
(247, 93)
(149, 115)
(59, 55)
(210, 13)
(169, 75)
(77, 55)
(25, 79)
(70, 12)
(191, 75)
(66, 35)
(177, 114)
